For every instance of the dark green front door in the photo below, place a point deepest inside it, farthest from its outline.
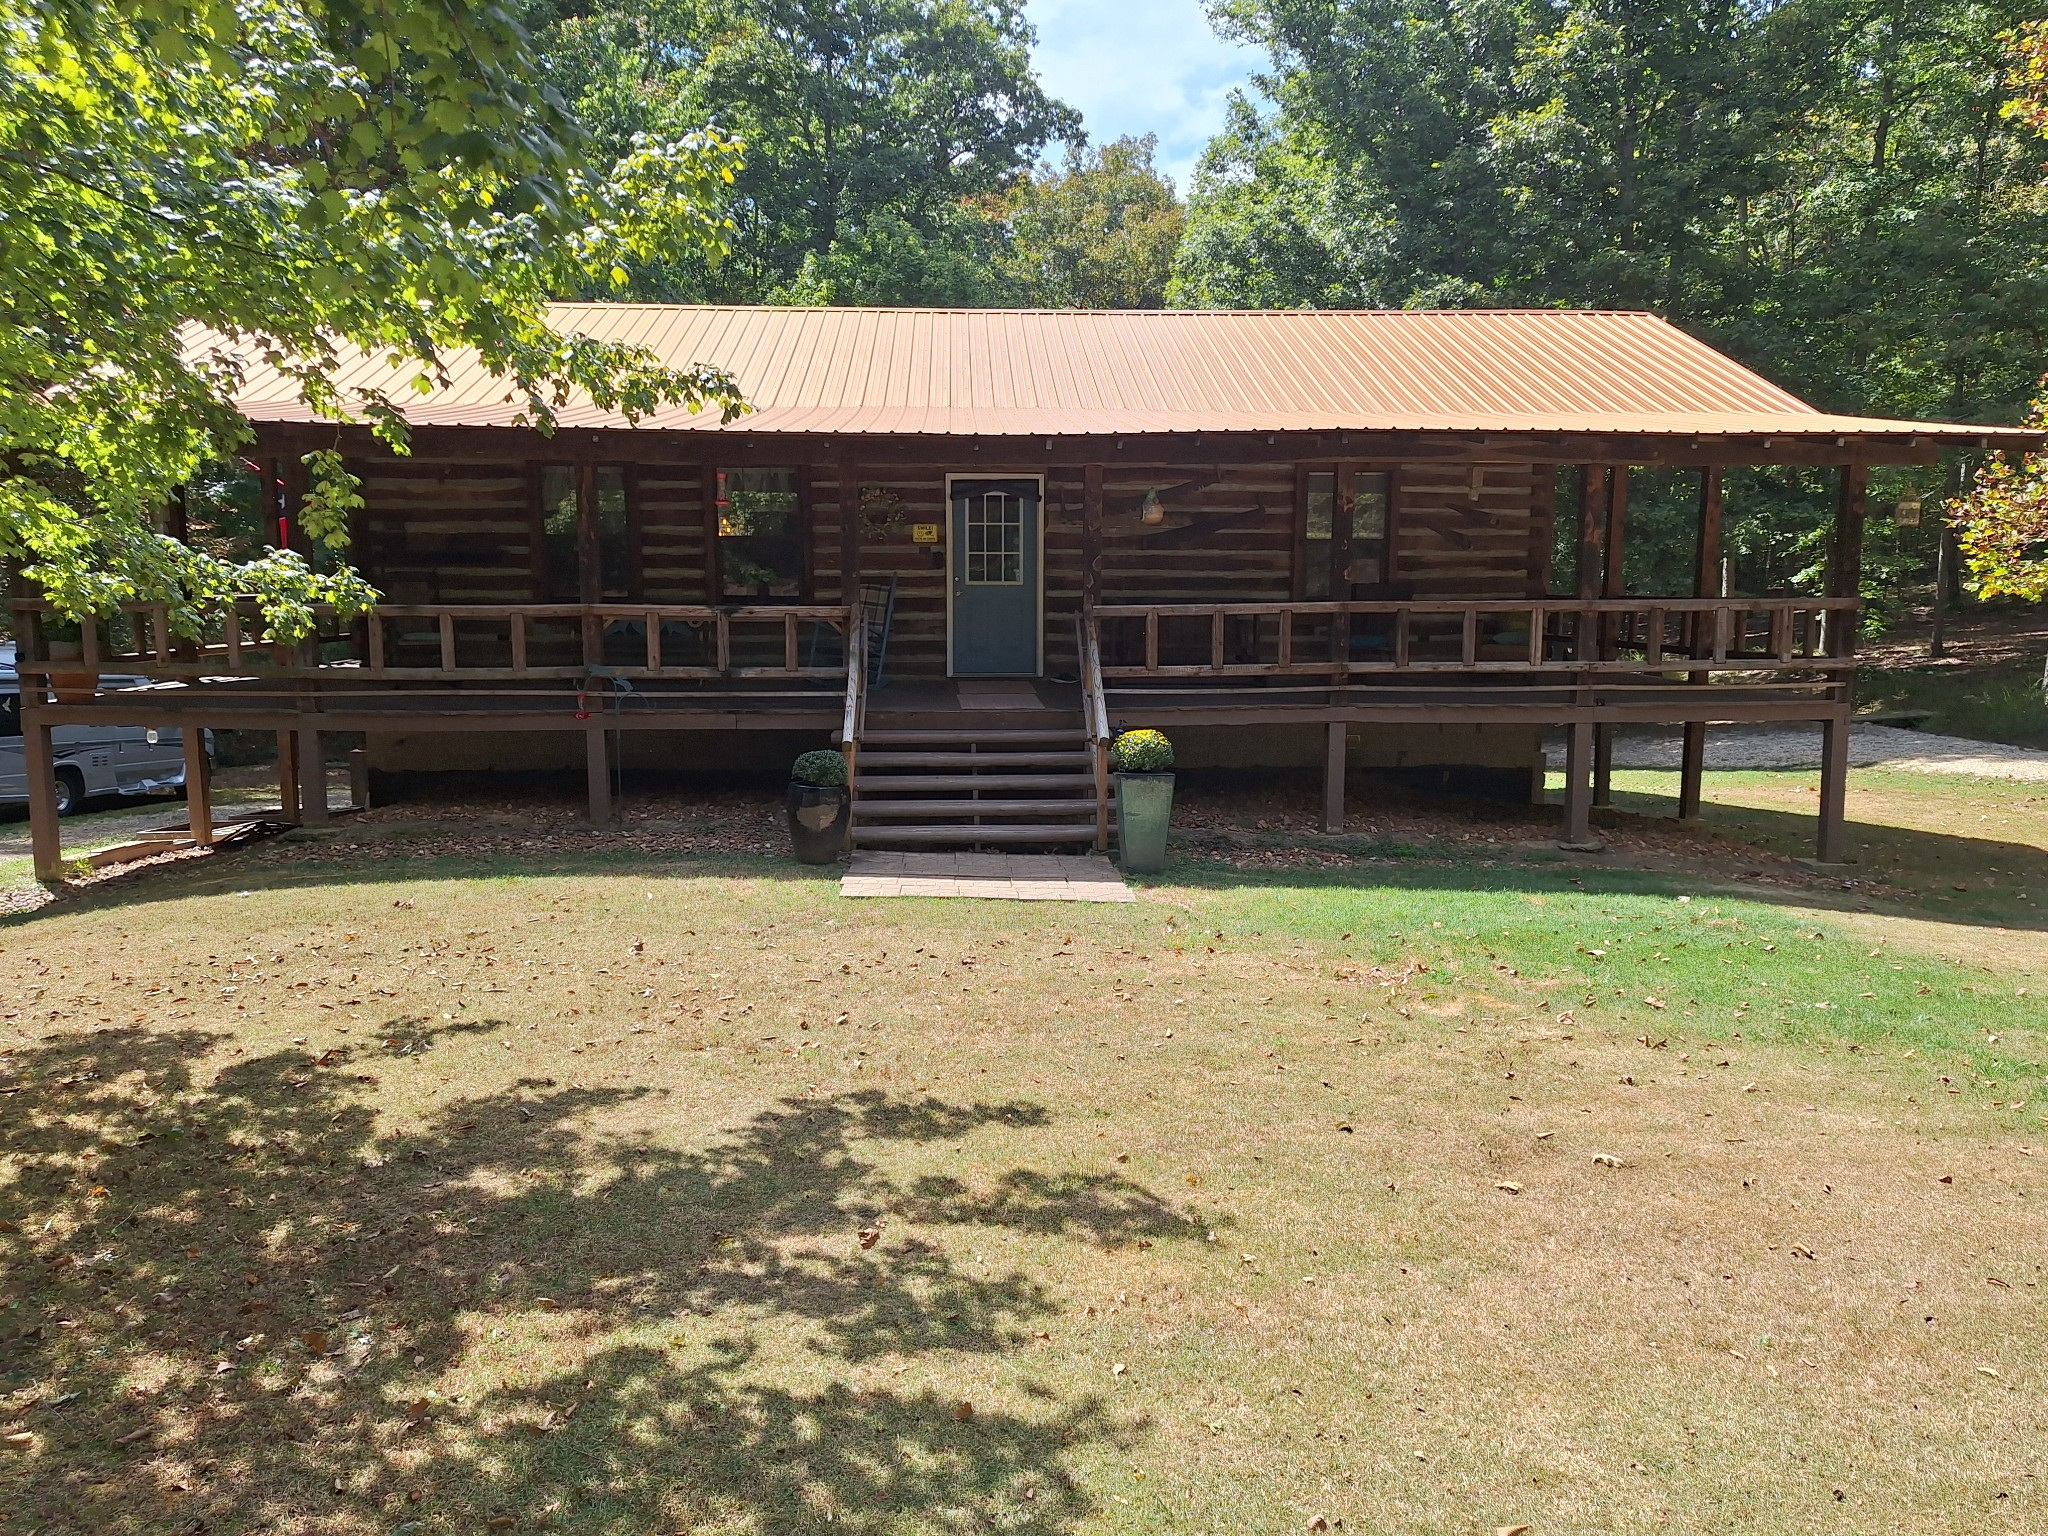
(995, 575)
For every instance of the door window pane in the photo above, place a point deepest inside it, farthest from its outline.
(1322, 527)
(760, 533)
(10, 715)
(558, 550)
(995, 539)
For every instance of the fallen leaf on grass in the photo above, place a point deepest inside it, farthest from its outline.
(1607, 1160)
(315, 1340)
(1523, 1530)
(869, 1236)
(963, 1411)
(1507, 1186)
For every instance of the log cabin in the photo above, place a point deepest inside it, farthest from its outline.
(967, 546)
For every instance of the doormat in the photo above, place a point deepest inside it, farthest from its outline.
(999, 696)
(988, 876)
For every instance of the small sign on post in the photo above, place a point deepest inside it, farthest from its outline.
(1907, 513)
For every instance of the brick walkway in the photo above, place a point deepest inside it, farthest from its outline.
(988, 876)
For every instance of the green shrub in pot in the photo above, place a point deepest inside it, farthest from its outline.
(1144, 797)
(820, 808)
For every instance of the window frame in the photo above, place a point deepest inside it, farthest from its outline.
(714, 478)
(589, 582)
(1343, 526)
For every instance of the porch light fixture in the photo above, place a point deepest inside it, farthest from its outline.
(1153, 511)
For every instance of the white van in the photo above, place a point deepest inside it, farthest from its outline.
(91, 759)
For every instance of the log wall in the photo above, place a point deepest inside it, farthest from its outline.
(460, 531)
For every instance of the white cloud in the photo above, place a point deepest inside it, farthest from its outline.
(1141, 66)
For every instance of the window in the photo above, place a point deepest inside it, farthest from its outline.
(1321, 533)
(10, 715)
(995, 539)
(560, 571)
(1368, 553)
(760, 534)
(1344, 544)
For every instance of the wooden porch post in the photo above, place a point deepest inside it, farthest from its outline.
(1091, 535)
(46, 838)
(1613, 583)
(597, 769)
(1831, 842)
(288, 775)
(1706, 579)
(714, 579)
(849, 531)
(1578, 799)
(1333, 776)
(198, 787)
(1845, 579)
(312, 778)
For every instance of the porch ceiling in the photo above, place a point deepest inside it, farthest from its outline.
(1034, 373)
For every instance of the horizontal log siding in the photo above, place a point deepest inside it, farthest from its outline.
(458, 532)
(1249, 559)
(917, 643)
(1445, 547)
(445, 532)
(670, 499)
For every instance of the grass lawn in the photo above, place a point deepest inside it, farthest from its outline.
(370, 1190)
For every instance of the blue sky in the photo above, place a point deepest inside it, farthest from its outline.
(1140, 66)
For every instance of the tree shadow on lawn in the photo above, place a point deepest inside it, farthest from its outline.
(244, 1293)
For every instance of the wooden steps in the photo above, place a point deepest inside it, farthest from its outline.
(973, 782)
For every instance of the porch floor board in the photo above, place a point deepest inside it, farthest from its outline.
(985, 876)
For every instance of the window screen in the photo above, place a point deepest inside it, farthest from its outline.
(558, 547)
(760, 533)
(1321, 533)
(995, 539)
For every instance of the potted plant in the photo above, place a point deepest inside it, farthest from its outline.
(63, 641)
(819, 807)
(1144, 798)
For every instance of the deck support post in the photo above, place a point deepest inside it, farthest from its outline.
(358, 779)
(1613, 584)
(312, 778)
(288, 776)
(1578, 799)
(198, 787)
(597, 767)
(1831, 843)
(1706, 580)
(46, 838)
(1333, 776)
(1603, 765)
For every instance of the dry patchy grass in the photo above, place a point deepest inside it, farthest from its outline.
(591, 1196)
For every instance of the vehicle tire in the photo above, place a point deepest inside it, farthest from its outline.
(70, 791)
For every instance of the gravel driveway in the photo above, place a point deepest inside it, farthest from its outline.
(1798, 746)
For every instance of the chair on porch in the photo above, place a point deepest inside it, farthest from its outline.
(878, 616)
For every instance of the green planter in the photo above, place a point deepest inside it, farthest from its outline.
(1144, 808)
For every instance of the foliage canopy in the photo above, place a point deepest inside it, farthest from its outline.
(300, 177)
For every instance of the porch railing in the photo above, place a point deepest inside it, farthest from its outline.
(1095, 717)
(1343, 640)
(457, 642)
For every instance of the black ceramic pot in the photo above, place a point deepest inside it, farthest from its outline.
(818, 814)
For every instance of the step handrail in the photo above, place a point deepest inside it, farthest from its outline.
(1096, 717)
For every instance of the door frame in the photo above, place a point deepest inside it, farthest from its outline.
(1038, 632)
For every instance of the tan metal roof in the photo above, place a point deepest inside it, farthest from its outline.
(1062, 372)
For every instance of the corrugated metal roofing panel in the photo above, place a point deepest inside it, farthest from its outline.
(1057, 372)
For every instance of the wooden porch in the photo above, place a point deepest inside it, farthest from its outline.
(933, 761)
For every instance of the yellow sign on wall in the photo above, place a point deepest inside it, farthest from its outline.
(924, 533)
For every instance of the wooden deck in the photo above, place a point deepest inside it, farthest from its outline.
(604, 669)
